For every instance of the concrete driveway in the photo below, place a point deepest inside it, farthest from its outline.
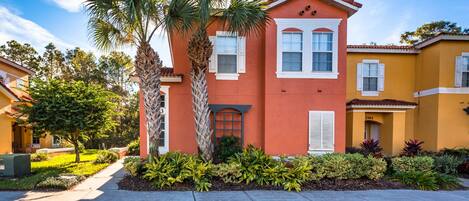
(103, 186)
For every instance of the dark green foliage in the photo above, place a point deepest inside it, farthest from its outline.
(227, 147)
(133, 148)
(174, 167)
(371, 147)
(252, 161)
(459, 152)
(134, 166)
(421, 180)
(430, 30)
(447, 164)
(412, 148)
(447, 182)
(60, 182)
(70, 110)
(464, 168)
(39, 157)
(106, 156)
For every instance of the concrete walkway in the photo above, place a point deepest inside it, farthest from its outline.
(103, 186)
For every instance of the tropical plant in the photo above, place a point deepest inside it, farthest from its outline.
(252, 163)
(133, 166)
(106, 156)
(241, 16)
(133, 148)
(407, 164)
(227, 147)
(421, 180)
(114, 23)
(412, 148)
(70, 110)
(447, 164)
(371, 147)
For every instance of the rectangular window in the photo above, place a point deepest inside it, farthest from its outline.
(36, 140)
(370, 77)
(292, 55)
(465, 72)
(226, 54)
(55, 140)
(321, 131)
(322, 52)
(20, 83)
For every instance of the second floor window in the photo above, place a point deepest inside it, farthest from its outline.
(465, 72)
(226, 54)
(370, 77)
(292, 44)
(322, 52)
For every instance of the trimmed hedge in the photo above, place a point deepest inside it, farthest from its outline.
(407, 164)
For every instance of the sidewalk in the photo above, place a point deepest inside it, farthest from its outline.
(103, 186)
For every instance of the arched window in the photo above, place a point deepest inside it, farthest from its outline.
(292, 50)
(228, 120)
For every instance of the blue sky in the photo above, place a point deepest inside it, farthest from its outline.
(64, 23)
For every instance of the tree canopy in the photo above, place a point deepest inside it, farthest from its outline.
(71, 110)
(431, 29)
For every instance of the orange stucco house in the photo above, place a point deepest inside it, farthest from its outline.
(283, 90)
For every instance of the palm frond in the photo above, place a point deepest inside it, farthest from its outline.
(245, 16)
(181, 15)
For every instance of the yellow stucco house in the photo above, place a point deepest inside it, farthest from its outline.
(397, 93)
(16, 138)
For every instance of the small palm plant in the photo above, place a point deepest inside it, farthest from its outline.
(371, 147)
(241, 16)
(412, 148)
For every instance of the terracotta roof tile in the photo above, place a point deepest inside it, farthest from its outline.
(169, 72)
(391, 102)
(393, 47)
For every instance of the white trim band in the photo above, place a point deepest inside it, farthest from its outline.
(382, 106)
(383, 50)
(441, 90)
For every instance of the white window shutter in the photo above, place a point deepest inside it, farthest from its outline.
(213, 59)
(241, 54)
(458, 71)
(381, 77)
(328, 131)
(359, 76)
(314, 130)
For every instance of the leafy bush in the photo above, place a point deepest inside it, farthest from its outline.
(447, 164)
(464, 168)
(412, 148)
(133, 148)
(252, 163)
(36, 157)
(353, 150)
(59, 182)
(227, 147)
(348, 166)
(459, 152)
(174, 167)
(447, 182)
(371, 147)
(412, 164)
(290, 175)
(105, 156)
(228, 172)
(133, 165)
(421, 180)
(336, 166)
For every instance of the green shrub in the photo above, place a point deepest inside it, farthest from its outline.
(447, 182)
(414, 164)
(227, 147)
(412, 148)
(106, 156)
(336, 166)
(252, 163)
(174, 167)
(458, 152)
(133, 166)
(425, 180)
(228, 172)
(133, 148)
(39, 157)
(60, 182)
(447, 164)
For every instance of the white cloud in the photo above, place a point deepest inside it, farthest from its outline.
(14, 27)
(70, 5)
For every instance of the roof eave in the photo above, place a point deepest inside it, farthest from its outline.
(383, 50)
(17, 66)
(351, 9)
(441, 37)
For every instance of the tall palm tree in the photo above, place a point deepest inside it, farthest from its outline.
(116, 23)
(242, 16)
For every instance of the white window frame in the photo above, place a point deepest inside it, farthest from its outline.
(460, 69)
(20, 83)
(55, 144)
(360, 77)
(307, 26)
(331, 51)
(240, 56)
(294, 32)
(321, 150)
(165, 148)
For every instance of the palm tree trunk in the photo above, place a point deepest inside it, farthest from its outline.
(148, 67)
(199, 52)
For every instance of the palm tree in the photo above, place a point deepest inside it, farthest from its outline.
(116, 23)
(242, 16)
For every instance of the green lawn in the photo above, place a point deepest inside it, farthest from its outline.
(62, 164)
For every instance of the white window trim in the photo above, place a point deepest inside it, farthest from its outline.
(307, 26)
(370, 93)
(163, 149)
(239, 67)
(321, 151)
(283, 51)
(458, 77)
(55, 144)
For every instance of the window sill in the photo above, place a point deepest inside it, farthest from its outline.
(370, 93)
(36, 146)
(320, 152)
(226, 76)
(312, 75)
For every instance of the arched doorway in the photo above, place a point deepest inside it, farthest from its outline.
(372, 130)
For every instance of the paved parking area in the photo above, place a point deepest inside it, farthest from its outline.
(103, 186)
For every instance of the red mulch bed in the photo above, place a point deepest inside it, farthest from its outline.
(139, 184)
